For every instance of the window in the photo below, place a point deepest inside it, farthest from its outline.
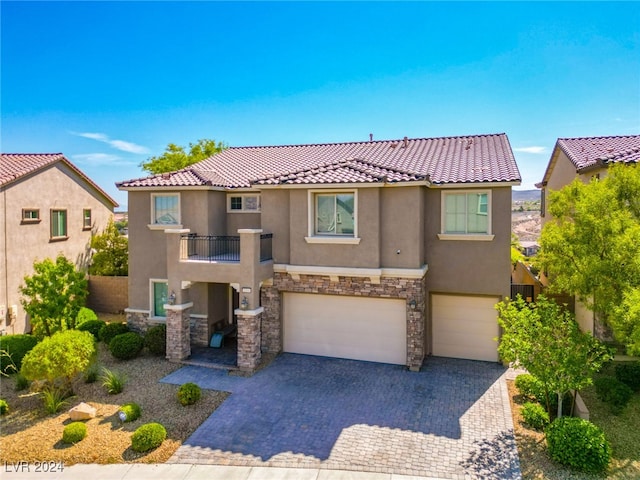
(335, 214)
(466, 213)
(86, 219)
(30, 215)
(247, 203)
(159, 296)
(58, 224)
(165, 209)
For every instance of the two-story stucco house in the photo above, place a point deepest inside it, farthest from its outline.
(585, 158)
(47, 207)
(383, 251)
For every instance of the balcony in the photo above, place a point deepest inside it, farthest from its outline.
(219, 248)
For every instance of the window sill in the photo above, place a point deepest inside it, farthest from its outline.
(333, 240)
(30, 222)
(58, 239)
(243, 211)
(164, 226)
(477, 237)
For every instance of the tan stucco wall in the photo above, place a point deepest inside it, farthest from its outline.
(56, 187)
(275, 219)
(402, 225)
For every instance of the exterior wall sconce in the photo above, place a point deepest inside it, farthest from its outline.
(244, 305)
(172, 298)
(412, 304)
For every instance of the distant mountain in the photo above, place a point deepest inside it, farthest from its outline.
(525, 195)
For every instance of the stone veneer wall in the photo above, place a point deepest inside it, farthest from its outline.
(249, 339)
(389, 287)
(140, 322)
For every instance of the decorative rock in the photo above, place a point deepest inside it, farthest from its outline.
(82, 411)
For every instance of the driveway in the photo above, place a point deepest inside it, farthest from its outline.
(450, 420)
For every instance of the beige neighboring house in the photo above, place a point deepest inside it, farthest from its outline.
(48, 207)
(585, 158)
(383, 251)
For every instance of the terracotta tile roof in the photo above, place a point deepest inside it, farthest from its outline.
(597, 151)
(468, 159)
(14, 166)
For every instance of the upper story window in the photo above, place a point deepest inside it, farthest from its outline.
(466, 215)
(165, 209)
(86, 219)
(30, 215)
(333, 217)
(58, 224)
(243, 203)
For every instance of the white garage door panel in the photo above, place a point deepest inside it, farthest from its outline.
(358, 328)
(464, 327)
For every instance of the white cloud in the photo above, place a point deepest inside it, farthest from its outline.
(536, 150)
(121, 145)
(100, 159)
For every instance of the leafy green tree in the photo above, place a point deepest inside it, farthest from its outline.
(54, 295)
(545, 339)
(60, 358)
(591, 246)
(175, 157)
(111, 252)
(516, 253)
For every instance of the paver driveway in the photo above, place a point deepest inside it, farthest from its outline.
(451, 420)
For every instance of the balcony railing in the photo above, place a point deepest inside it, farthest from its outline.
(219, 248)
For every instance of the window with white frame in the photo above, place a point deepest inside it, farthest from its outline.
(30, 215)
(86, 219)
(159, 297)
(466, 213)
(165, 209)
(243, 203)
(335, 213)
(58, 224)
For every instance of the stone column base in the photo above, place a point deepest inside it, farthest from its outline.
(249, 338)
(178, 331)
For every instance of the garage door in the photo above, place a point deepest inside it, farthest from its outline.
(371, 329)
(464, 327)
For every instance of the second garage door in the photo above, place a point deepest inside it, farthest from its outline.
(464, 327)
(372, 329)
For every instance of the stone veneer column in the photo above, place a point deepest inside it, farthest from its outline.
(249, 324)
(271, 322)
(178, 331)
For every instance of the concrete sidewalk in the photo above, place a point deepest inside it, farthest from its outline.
(191, 472)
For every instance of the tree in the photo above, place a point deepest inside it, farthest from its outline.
(591, 246)
(175, 157)
(53, 295)
(111, 252)
(516, 252)
(545, 339)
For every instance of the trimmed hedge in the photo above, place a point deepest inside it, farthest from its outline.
(17, 346)
(189, 393)
(126, 346)
(110, 330)
(535, 415)
(93, 327)
(147, 437)
(530, 387)
(629, 374)
(156, 339)
(85, 315)
(74, 432)
(579, 444)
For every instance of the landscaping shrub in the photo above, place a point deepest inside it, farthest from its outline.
(126, 345)
(22, 383)
(147, 437)
(613, 392)
(579, 444)
(629, 374)
(131, 411)
(93, 327)
(156, 339)
(535, 415)
(113, 381)
(110, 330)
(74, 432)
(4, 407)
(189, 393)
(85, 315)
(91, 374)
(15, 347)
(530, 387)
(54, 399)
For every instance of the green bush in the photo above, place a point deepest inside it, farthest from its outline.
(91, 374)
(4, 407)
(110, 330)
(189, 393)
(156, 339)
(530, 387)
(113, 381)
(22, 383)
(126, 345)
(16, 347)
(74, 432)
(54, 399)
(93, 327)
(579, 444)
(535, 415)
(131, 411)
(613, 392)
(85, 315)
(629, 374)
(147, 437)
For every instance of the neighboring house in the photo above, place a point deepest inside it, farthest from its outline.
(48, 207)
(383, 251)
(529, 249)
(585, 158)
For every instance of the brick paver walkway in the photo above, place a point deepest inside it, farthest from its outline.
(451, 420)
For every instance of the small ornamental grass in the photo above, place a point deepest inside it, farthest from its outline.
(126, 345)
(4, 407)
(147, 437)
(189, 393)
(92, 373)
(129, 412)
(74, 432)
(578, 444)
(113, 381)
(535, 415)
(54, 399)
(22, 383)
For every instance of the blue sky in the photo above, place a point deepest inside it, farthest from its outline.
(110, 84)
